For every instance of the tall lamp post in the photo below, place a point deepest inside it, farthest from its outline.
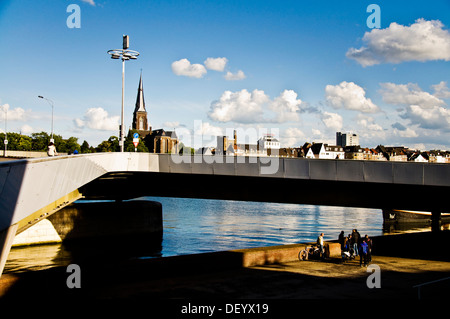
(125, 55)
(51, 103)
(6, 122)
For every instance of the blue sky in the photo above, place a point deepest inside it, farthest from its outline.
(300, 69)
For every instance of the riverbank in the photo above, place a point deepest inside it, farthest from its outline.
(404, 261)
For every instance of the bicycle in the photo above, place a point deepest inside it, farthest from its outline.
(309, 252)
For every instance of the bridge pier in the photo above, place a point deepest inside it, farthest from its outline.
(435, 220)
(6, 240)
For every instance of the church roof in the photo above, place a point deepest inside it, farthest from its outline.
(140, 103)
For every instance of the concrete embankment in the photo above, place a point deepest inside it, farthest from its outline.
(88, 220)
(224, 274)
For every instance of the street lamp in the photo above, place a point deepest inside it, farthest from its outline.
(51, 103)
(125, 55)
(6, 122)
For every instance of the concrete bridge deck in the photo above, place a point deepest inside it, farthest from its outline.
(32, 189)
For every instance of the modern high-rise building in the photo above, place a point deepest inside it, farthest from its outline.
(347, 139)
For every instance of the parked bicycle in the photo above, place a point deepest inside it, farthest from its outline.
(312, 252)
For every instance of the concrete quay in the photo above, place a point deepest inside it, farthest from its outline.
(404, 261)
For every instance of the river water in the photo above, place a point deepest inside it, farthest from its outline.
(198, 225)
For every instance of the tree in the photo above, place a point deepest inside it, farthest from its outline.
(72, 144)
(85, 148)
(111, 145)
(129, 146)
(39, 141)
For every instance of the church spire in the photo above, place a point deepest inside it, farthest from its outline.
(140, 122)
(140, 103)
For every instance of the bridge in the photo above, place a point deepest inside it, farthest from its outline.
(33, 189)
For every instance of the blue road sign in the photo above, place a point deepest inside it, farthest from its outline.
(135, 135)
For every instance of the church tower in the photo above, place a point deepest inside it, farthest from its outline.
(140, 122)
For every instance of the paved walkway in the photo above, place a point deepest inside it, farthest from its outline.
(218, 276)
(308, 279)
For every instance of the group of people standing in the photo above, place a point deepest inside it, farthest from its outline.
(357, 246)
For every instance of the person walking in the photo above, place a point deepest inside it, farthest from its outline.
(356, 237)
(51, 150)
(369, 248)
(363, 253)
(341, 239)
(320, 243)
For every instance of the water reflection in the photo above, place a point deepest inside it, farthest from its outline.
(37, 257)
(197, 225)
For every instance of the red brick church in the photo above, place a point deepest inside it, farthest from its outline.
(157, 141)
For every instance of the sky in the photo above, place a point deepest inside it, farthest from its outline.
(301, 70)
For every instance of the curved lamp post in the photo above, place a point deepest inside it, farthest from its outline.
(51, 103)
(125, 55)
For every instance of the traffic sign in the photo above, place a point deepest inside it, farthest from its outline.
(135, 142)
(136, 135)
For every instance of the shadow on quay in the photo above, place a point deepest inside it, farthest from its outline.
(220, 275)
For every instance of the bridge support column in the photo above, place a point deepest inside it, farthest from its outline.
(6, 240)
(435, 220)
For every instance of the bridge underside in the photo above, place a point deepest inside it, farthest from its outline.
(127, 185)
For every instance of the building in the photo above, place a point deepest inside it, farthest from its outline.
(393, 153)
(347, 139)
(323, 151)
(140, 122)
(161, 141)
(268, 142)
(268, 145)
(157, 141)
(226, 146)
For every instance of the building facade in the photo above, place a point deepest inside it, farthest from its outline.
(347, 139)
(157, 141)
(140, 121)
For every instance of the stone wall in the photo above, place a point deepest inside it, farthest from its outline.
(88, 220)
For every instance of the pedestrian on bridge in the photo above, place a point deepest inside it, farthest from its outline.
(51, 150)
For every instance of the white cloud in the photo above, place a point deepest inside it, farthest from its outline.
(26, 129)
(408, 132)
(408, 94)
(206, 129)
(241, 106)
(292, 137)
(173, 124)
(332, 121)
(239, 75)
(216, 64)
(255, 107)
(91, 2)
(185, 68)
(422, 41)
(436, 117)
(441, 90)
(17, 114)
(350, 96)
(368, 123)
(286, 106)
(98, 119)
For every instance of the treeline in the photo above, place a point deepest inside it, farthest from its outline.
(39, 142)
